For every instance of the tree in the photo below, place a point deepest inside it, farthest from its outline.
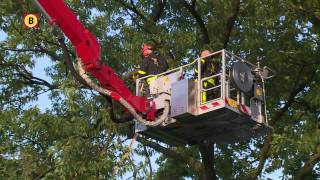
(76, 138)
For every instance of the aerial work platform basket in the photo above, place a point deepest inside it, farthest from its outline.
(225, 106)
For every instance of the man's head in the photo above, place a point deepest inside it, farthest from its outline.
(205, 53)
(146, 50)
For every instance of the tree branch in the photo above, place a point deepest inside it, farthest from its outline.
(230, 22)
(42, 175)
(308, 166)
(296, 90)
(40, 50)
(133, 8)
(194, 164)
(137, 23)
(264, 152)
(22, 72)
(200, 22)
(207, 153)
(158, 10)
(69, 63)
(35, 80)
(34, 143)
(309, 12)
(148, 161)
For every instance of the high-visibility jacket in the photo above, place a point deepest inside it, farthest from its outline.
(150, 66)
(208, 68)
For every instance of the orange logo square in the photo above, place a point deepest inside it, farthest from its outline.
(31, 21)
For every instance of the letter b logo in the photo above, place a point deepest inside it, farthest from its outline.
(31, 21)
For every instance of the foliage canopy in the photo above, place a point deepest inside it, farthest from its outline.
(75, 138)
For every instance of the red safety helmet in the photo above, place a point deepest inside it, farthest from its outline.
(205, 53)
(145, 48)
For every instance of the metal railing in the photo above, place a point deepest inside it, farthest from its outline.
(222, 80)
(143, 80)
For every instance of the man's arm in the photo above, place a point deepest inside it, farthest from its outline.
(143, 67)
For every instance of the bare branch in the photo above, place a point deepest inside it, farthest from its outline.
(149, 21)
(155, 14)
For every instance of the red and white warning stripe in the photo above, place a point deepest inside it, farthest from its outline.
(211, 105)
(243, 108)
(221, 103)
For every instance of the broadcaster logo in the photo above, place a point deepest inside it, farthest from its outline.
(31, 21)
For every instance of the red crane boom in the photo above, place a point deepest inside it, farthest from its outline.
(88, 50)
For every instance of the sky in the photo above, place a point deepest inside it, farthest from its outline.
(43, 101)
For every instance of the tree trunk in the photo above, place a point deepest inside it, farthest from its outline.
(207, 154)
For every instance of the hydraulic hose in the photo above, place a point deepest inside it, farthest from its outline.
(122, 101)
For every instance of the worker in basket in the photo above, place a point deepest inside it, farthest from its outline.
(152, 64)
(209, 66)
